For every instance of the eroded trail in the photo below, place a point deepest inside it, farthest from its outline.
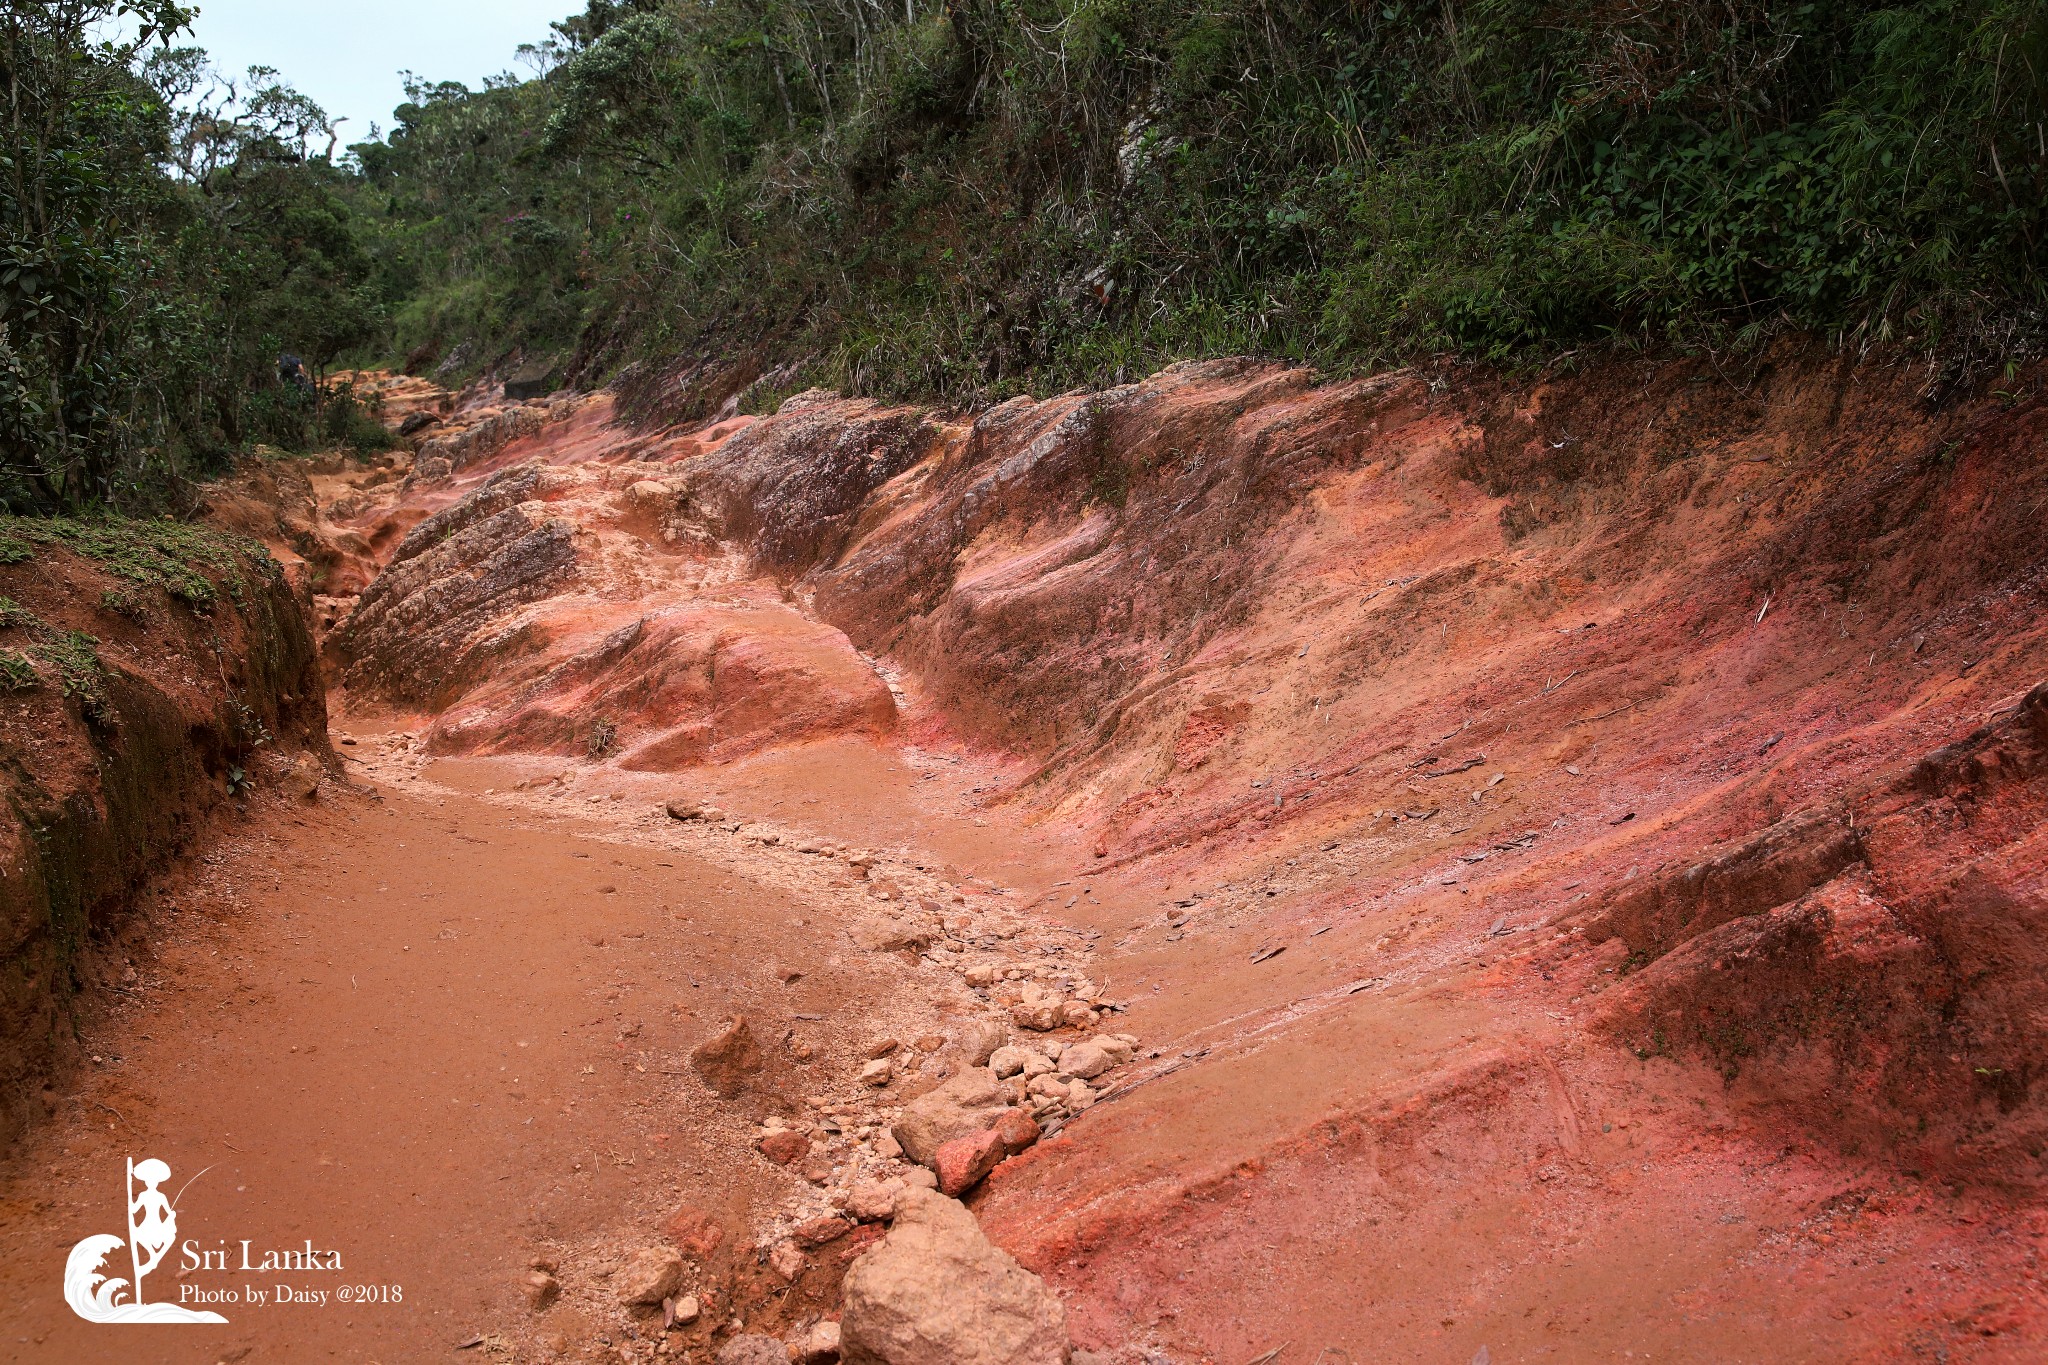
(1555, 875)
(445, 1035)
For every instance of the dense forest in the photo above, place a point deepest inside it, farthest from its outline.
(966, 200)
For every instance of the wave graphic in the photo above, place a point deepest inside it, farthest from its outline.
(92, 1295)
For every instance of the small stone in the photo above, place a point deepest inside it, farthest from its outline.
(877, 1073)
(302, 780)
(1037, 1016)
(684, 810)
(981, 975)
(964, 1162)
(816, 1168)
(931, 1042)
(1008, 1061)
(728, 1059)
(818, 1231)
(873, 1201)
(787, 1260)
(649, 1276)
(1077, 1013)
(935, 1291)
(695, 1232)
(540, 1289)
(882, 1047)
(784, 1147)
(819, 1346)
(688, 1310)
(980, 1039)
(1048, 1085)
(752, 1349)
(1088, 1060)
(887, 1147)
(968, 1103)
(1017, 1130)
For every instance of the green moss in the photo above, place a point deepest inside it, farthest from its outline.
(194, 564)
(14, 616)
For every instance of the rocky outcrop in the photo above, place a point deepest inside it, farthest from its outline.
(790, 491)
(422, 630)
(1878, 959)
(935, 1291)
(150, 673)
(1435, 733)
(545, 610)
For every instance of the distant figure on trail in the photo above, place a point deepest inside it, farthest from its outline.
(291, 372)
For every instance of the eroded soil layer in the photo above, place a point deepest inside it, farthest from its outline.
(1550, 869)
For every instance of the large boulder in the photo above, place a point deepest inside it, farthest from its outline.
(935, 1291)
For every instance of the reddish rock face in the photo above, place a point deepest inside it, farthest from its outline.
(1571, 811)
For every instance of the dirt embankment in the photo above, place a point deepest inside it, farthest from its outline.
(149, 671)
(1477, 786)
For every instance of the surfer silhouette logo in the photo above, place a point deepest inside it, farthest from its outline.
(152, 1231)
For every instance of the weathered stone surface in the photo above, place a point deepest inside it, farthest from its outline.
(420, 633)
(649, 1275)
(965, 1104)
(784, 1147)
(750, 1349)
(965, 1161)
(728, 1059)
(935, 1291)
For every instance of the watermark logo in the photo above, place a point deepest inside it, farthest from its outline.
(96, 1291)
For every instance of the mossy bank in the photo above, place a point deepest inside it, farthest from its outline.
(148, 672)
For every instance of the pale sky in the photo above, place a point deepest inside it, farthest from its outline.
(347, 56)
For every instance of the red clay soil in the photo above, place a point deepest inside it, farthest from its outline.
(137, 679)
(1569, 852)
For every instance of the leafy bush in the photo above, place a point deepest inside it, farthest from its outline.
(166, 233)
(969, 199)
